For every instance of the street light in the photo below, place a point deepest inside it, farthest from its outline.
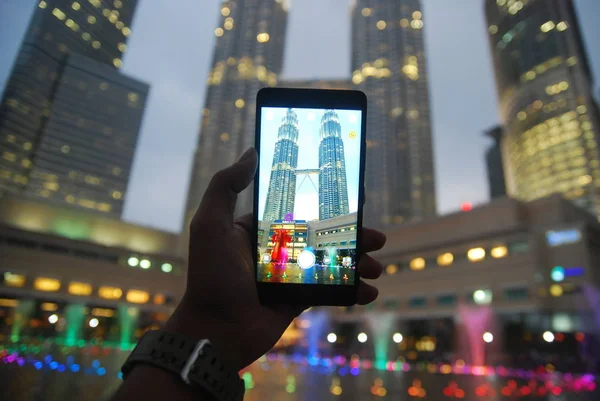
(362, 337)
(331, 337)
(548, 336)
(397, 337)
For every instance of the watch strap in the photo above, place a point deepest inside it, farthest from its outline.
(199, 362)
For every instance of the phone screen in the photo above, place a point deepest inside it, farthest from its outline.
(308, 195)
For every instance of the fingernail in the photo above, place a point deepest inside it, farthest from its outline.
(246, 155)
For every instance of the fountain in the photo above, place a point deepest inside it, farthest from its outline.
(128, 316)
(74, 316)
(332, 253)
(381, 326)
(316, 332)
(21, 318)
(472, 323)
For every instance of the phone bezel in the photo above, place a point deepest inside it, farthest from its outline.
(311, 294)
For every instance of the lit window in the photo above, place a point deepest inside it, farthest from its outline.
(96, 44)
(219, 32)
(499, 252)
(445, 259)
(493, 29)
(106, 12)
(417, 264)
(59, 14)
(263, 37)
(417, 15)
(46, 284)
(160, 299)
(78, 288)
(145, 264)
(225, 11)
(48, 306)
(14, 280)
(9, 303)
(137, 296)
(110, 292)
(126, 31)
(476, 254)
(117, 62)
(391, 269)
(381, 24)
(366, 12)
(86, 36)
(76, 6)
(547, 27)
(95, 3)
(119, 25)
(118, 4)
(228, 24)
(416, 24)
(116, 171)
(224, 137)
(166, 267)
(561, 26)
(133, 97)
(43, 4)
(117, 195)
(522, 115)
(122, 47)
(11, 157)
(133, 261)
(404, 23)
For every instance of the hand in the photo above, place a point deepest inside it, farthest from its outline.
(221, 302)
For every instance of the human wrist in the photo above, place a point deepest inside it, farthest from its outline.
(196, 325)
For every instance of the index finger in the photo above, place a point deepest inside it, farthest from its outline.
(372, 240)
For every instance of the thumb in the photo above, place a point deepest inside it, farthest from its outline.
(218, 203)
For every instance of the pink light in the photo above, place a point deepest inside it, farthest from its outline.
(478, 370)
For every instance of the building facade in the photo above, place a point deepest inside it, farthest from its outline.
(339, 83)
(68, 119)
(494, 164)
(248, 55)
(388, 64)
(281, 194)
(544, 86)
(333, 187)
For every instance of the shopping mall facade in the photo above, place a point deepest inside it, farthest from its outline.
(519, 272)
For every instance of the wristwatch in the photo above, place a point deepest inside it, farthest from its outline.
(197, 363)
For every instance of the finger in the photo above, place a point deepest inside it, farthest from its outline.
(218, 203)
(369, 267)
(246, 222)
(366, 293)
(372, 240)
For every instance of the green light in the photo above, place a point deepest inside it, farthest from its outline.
(290, 388)
(558, 274)
(22, 313)
(133, 261)
(128, 316)
(74, 316)
(166, 267)
(248, 381)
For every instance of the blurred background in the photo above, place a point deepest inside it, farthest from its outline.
(482, 168)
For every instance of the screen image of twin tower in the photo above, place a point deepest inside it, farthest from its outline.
(331, 168)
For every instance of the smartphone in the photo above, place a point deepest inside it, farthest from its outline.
(308, 195)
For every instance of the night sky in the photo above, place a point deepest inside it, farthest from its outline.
(171, 49)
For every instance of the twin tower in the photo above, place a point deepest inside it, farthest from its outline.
(333, 187)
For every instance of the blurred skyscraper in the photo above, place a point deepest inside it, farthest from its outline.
(69, 120)
(494, 164)
(317, 83)
(544, 85)
(388, 63)
(333, 187)
(248, 56)
(281, 195)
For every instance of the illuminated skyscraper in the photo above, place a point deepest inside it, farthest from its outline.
(333, 188)
(248, 56)
(317, 84)
(282, 184)
(388, 63)
(544, 85)
(69, 120)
